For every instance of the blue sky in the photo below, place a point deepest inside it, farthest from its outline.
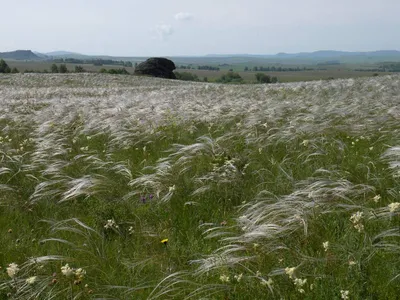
(186, 27)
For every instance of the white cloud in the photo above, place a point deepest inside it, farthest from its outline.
(163, 31)
(183, 16)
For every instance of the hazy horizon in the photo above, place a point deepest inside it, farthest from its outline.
(179, 28)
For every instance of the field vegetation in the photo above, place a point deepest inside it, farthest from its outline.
(125, 187)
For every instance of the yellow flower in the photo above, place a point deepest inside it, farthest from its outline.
(164, 241)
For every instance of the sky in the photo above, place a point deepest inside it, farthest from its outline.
(193, 27)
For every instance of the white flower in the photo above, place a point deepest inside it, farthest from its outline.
(31, 280)
(224, 278)
(290, 272)
(12, 270)
(111, 224)
(238, 277)
(325, 245)
(352, 262)
(356, 219)
(80, 273)
(67, 271)
(298, 282)
(377, 198)
(344, 294)
(394, 206)
(131, 230)
(305, 143)
(172, 188)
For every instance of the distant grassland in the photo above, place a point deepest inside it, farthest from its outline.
(331, 72)
(287, 76)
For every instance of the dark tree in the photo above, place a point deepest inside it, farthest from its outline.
(79, 69)
(263, 78)
(4, 68)
(63, 68)
(54, 68)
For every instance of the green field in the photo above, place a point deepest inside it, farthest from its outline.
(125, 187)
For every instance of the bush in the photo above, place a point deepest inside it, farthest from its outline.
(79, 69)
(230, 77)
(63, 68)
(54, 68)
(121, 71)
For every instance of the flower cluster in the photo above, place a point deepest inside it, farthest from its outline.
(69, 272)
(224, 278)
(290, 272)
(394, 206)
(12, 270)
(344, 294)
(299, 283)
(111, 224)
(356, 219)
(377, 198)
(325, 245)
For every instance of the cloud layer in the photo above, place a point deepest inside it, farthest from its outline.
(163, 31)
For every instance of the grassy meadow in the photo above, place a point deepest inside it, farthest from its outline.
(123, 187)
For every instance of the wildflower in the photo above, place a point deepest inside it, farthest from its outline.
(131, 230)
(12, 270)
(290, 272)
(352, 262)
(394, 206)
(224, 278)
(238, 277)
(325, 245)
(111, 224)
(371, 148)
(67, 271)
(377, 198)
(299, 283)
(305, 143)
(80, 273)
(344, 294)
(356, 219)
(172, 188)
(164, 241)
(31, 280)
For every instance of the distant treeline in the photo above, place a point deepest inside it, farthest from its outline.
(384, 67)
(191, 67)
(96, 62)
(277, 69)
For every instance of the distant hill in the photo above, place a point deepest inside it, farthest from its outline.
(20, 55)
(320, 56)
